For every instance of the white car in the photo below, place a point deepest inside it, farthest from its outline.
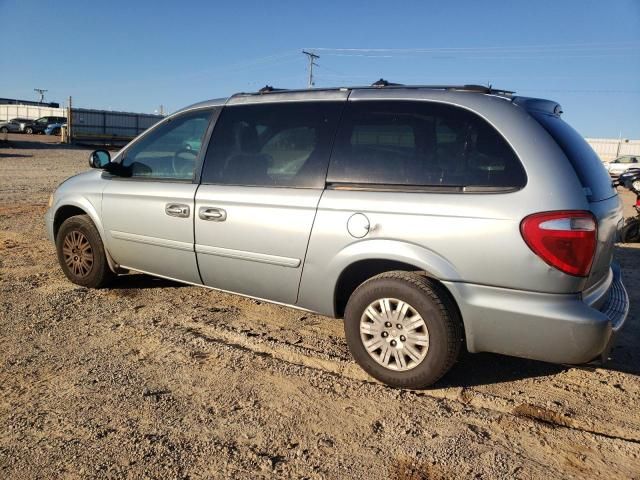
(622, 164)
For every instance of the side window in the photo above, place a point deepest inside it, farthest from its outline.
(421, 144)
(169, 151)
(272, 144)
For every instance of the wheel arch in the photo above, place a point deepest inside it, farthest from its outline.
(362, 260)
(359, 272)
(71, 208)
(64, 212)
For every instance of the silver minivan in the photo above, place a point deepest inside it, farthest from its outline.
(430, 218)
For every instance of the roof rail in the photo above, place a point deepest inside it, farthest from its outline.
(481, 89)
(460, 88)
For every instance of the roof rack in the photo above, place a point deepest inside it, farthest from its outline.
(269, 89)
(383, 83)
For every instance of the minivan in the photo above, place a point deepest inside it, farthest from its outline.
(431, 219)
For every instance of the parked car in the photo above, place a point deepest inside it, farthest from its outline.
(426, 217)
(14, 125)
(40, 125)
(622, 164)
(54, 128)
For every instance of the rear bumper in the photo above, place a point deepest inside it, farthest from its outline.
(542, 326)
(616, 308)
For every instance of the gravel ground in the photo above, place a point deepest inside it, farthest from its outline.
(152, 379)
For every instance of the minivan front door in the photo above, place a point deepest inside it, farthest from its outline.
(148, 215)
(263, 177)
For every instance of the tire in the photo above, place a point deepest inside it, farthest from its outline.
(81, 253)
(28, 130)
(4, 130)
(441, 325)
(630, 233)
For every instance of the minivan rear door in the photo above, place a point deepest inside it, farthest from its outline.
(263, 176)
(597, 186)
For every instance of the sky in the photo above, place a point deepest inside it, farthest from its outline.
(138, 55)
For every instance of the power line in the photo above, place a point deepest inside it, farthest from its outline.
(503, 56)
(566, 46)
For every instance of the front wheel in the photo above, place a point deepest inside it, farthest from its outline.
(28, 130)
(4, 130)
(403, 329)
(81, 253)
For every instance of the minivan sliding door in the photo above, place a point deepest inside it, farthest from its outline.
(263, 176)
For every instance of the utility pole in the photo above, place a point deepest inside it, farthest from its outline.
(312, 57)
(41, 91)
(70, 121)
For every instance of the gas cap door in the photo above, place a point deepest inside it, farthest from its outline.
(358, 225)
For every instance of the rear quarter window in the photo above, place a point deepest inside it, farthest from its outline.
(585, 161)
(421, 144)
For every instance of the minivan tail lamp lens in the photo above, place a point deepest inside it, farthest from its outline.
(566, 240)
(574, 224)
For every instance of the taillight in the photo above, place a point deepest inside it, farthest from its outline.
(637, 201)
(565, 240)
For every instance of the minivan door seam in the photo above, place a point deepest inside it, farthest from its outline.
(324, 189)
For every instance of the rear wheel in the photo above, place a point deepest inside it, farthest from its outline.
(81, 253)
(403, 329)
(630, 233)
(4, 130)
(28, 130)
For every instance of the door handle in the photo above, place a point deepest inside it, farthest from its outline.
(212, 214)
(177, 210)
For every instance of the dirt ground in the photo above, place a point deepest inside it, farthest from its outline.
(152, 379)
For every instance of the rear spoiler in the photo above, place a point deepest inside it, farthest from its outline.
(538, 105)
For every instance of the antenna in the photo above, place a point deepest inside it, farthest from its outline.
(312, 57)
(41, 91)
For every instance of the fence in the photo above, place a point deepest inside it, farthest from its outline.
(101, 126)
(610, 148)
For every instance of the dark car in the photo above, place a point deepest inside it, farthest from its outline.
(39, 125)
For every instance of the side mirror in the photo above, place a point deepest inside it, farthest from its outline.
(99, 159)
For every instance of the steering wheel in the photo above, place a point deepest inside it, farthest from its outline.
(183, 167)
